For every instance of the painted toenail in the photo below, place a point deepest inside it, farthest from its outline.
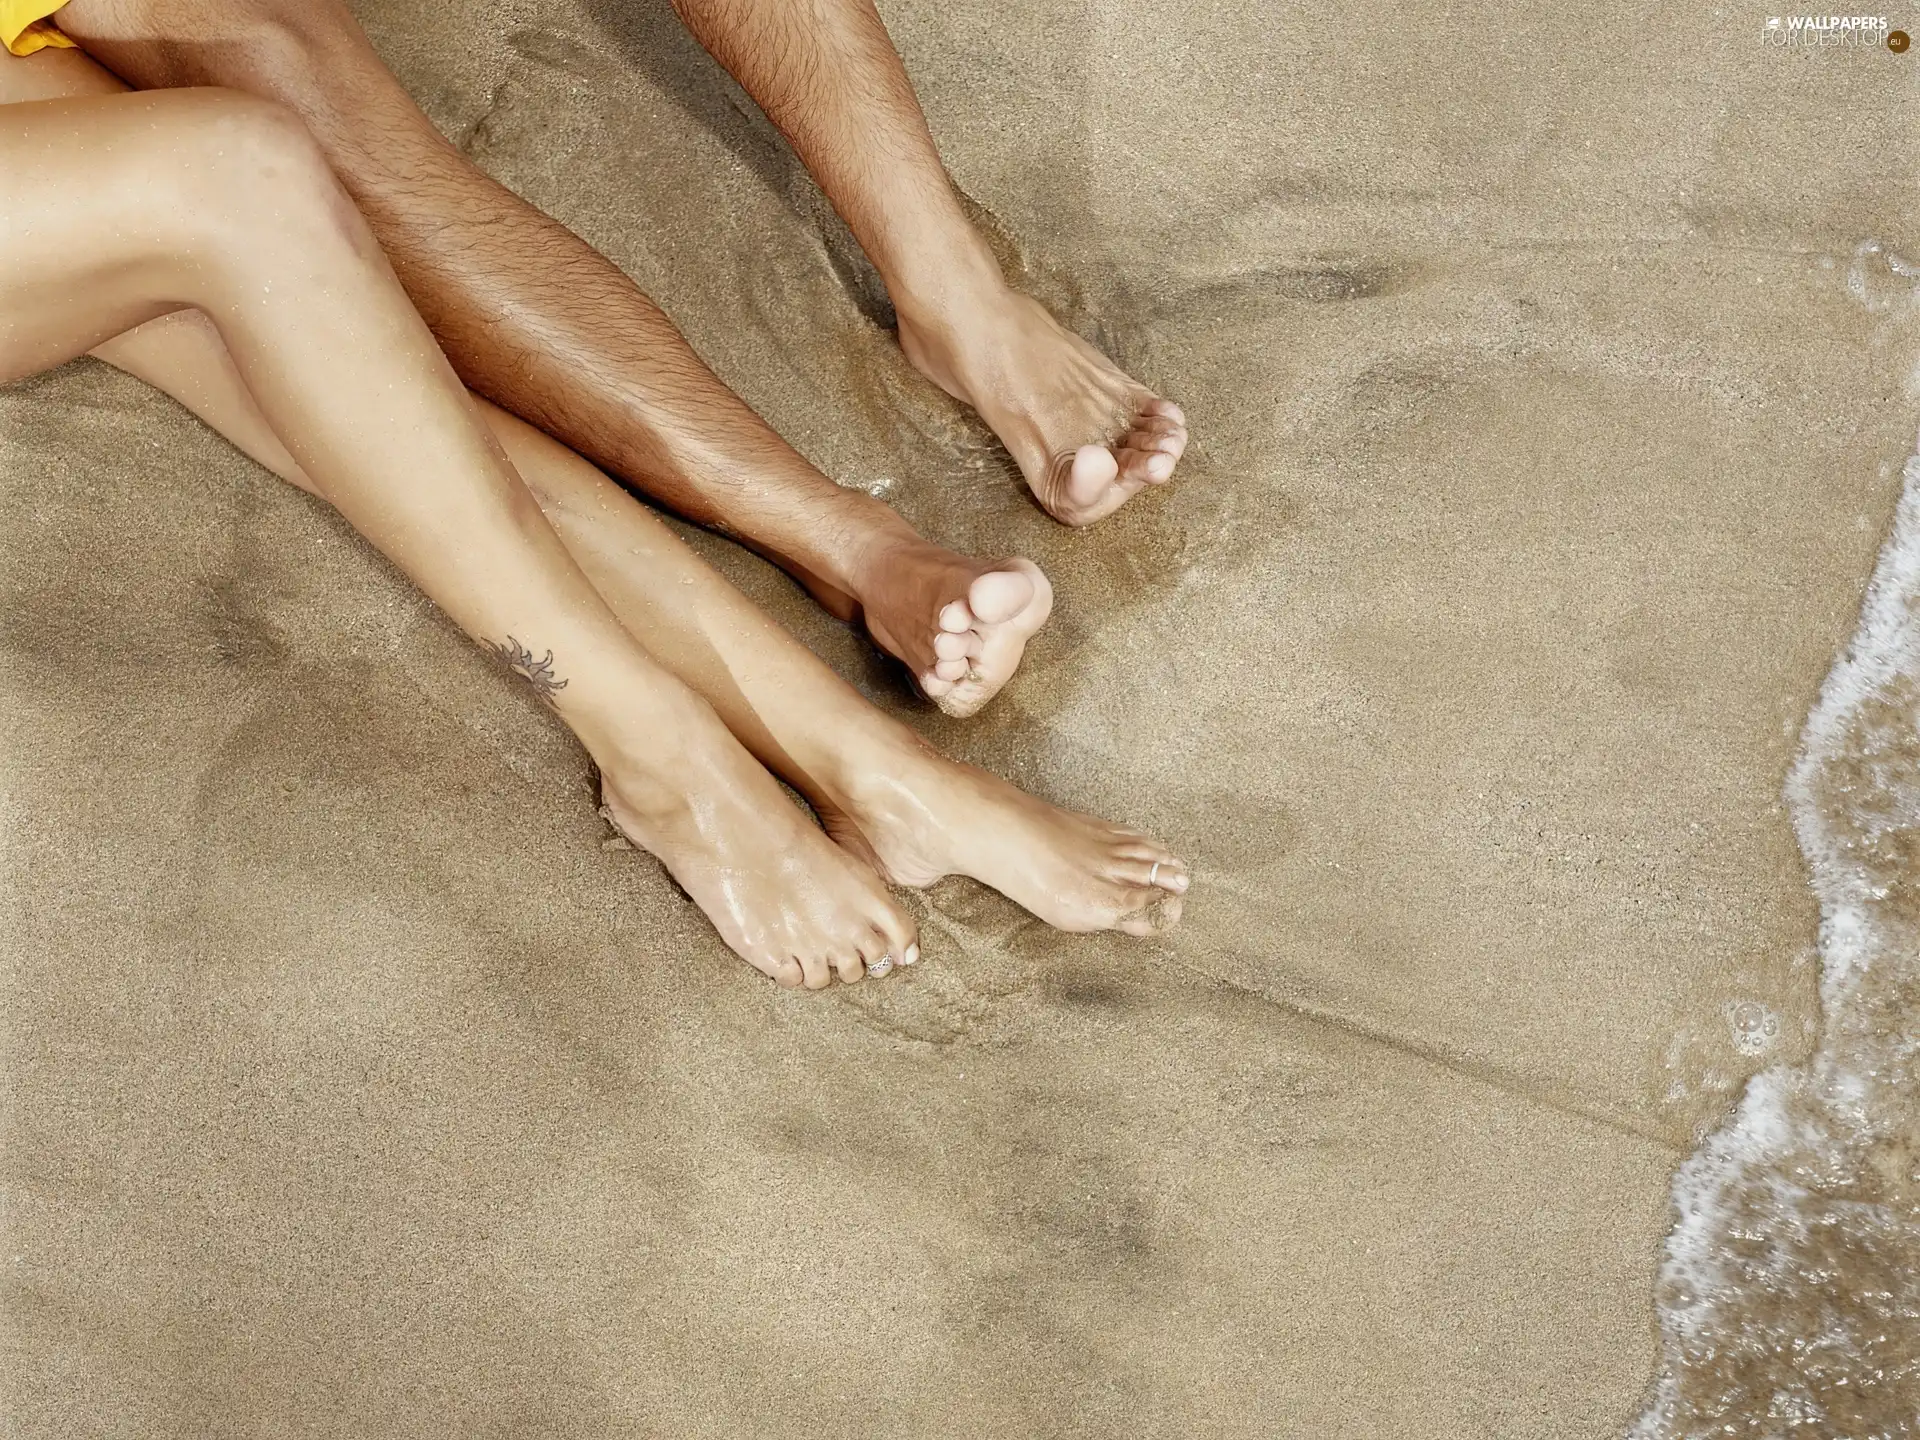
(912, 957)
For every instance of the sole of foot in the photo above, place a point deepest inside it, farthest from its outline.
(983, 635)
(958, 624)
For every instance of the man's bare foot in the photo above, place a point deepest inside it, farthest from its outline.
(958, 624)
(916, 816)
(790, 902)
(1086, 436)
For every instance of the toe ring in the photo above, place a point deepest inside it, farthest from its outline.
(1153, 875)
(880, 966)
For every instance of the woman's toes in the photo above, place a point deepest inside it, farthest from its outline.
(1154, 872)
(1171, 874)
(898, 939)
(818, 973)
(1138, 907)
(875, 959)
(1143, 909)
(849, 967)
(787, 973)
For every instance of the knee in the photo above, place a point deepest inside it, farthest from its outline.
(249, 141)
(250, 165)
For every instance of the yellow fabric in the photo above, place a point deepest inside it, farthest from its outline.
(24, 27)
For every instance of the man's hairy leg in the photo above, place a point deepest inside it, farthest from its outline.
(536, 320)
(1086, 437)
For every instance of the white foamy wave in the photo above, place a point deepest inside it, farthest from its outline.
(1790, 1296)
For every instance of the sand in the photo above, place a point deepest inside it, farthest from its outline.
(352, 1087)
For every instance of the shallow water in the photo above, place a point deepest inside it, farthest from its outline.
(1790, 1297)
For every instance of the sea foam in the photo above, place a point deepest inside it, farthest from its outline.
(1790, 1295)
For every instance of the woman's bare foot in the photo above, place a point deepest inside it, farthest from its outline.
(958, 624)
(916, 817)
(1086, 437)
(791, 903)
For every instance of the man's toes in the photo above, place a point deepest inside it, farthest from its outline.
(955, 617)
(1144, 467)
(1088, 476)
(1161, 435)
(935, 687)
(1166, 410)
(965, 700)
(948, 646)
(952, 670)
(999, 595)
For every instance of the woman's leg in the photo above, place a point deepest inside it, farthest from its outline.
(119, 209)
(885, 793)
(882, 790)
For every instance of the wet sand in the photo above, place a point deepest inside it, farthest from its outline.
(350, 1085)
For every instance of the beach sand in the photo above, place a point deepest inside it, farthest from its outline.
(352, 1085)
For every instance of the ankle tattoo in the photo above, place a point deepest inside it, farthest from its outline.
(537, 673)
